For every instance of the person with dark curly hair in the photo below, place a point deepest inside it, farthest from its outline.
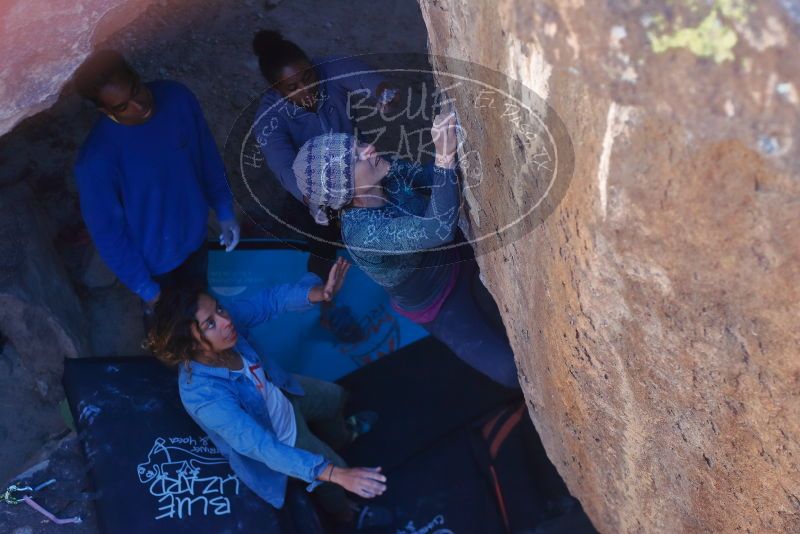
(255, 412)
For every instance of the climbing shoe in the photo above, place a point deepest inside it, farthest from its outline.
(360, 423)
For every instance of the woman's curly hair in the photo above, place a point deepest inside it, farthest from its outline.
(170, 338)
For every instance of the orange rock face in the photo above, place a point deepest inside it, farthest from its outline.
(654, 309)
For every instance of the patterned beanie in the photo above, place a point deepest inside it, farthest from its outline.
(324, 169)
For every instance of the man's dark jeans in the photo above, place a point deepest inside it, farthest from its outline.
(193, 272)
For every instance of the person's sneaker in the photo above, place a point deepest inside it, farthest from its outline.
(360, 423)
(343, 324)
(370, 516)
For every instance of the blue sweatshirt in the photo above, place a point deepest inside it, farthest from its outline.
(145, 190)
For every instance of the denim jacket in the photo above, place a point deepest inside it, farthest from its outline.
(229, 408)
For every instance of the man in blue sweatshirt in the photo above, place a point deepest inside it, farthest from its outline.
(147, 174)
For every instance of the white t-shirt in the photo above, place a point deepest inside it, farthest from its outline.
(280, 409)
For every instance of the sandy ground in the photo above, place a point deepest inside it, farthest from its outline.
(207, 47)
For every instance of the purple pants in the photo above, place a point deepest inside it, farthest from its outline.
(469, 324)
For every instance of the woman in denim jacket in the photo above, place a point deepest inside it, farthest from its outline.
(253, 410)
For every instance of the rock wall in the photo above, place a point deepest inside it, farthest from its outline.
(654, 312)
(41, 323)
(44, 41)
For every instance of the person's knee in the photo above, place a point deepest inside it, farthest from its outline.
(340, 395)
(335, 394)
(322, 397)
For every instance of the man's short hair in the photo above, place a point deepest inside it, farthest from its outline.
(99, 69)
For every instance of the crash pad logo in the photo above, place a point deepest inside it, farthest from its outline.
(188, 477)
(434, 526)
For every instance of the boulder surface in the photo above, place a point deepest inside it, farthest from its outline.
(653, 307)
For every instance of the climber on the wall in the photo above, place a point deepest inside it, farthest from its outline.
(306, 98)
(147, 174)
(399, 237)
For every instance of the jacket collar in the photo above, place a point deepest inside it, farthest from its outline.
(202, 369)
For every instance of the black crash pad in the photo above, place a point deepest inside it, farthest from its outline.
(421, 393)
(156, 472)
(153, 468)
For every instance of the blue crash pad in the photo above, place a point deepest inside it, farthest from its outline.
(297, 340)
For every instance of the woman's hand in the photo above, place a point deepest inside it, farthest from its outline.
(335, 280)
(367, 482)
(443, 132)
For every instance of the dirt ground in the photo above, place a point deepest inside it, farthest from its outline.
(207, 48)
